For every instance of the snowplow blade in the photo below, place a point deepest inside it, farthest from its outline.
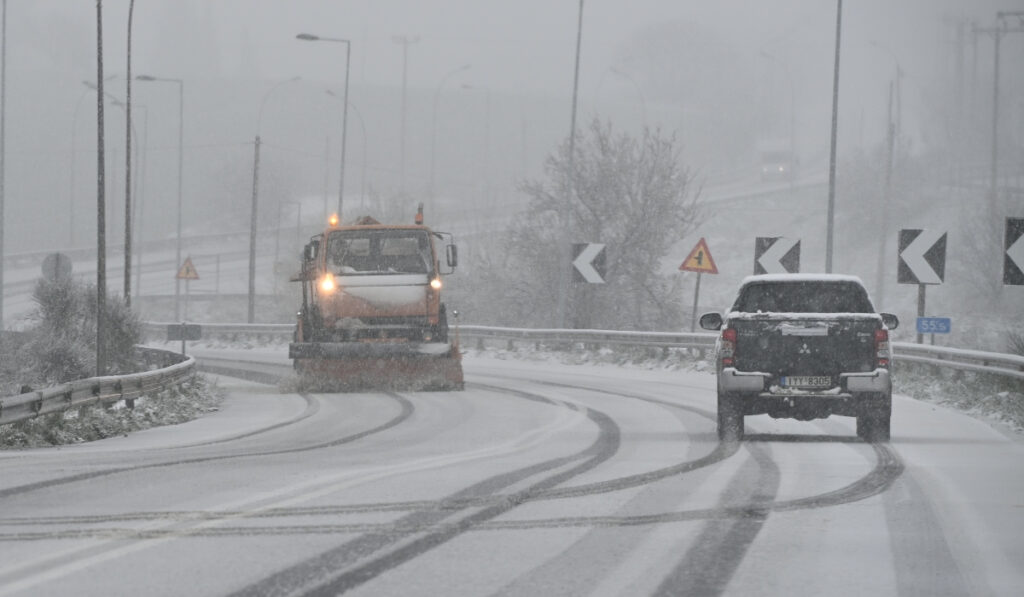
(362, 366)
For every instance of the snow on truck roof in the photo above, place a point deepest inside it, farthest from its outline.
(801, 278)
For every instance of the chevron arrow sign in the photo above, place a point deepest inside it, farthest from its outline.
(922, 257)
(588, 263)
(1013, 262)
(776, 255)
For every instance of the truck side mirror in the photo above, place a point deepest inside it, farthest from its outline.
(891, 321)
(311, 250)
(711, 321)
(452, 254)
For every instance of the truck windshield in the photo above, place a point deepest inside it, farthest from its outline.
(355, 252)
(803, 297)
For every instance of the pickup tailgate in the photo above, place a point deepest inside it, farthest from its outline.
(806, 345)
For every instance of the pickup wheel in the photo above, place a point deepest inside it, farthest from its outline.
(730, 418)
(873, 423)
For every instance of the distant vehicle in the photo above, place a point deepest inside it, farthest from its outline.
(778, 165)
(803, 346)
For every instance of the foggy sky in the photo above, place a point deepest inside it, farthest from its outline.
(779, 56)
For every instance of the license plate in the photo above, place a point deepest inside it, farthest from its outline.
(806, 381)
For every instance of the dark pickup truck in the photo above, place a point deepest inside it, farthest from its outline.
(803, 346)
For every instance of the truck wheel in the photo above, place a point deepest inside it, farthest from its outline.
(730, 418)
(873, 425)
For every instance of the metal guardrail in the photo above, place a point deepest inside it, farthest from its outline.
(1008, 365)
(698, 340)
(994, 363)
(173, 369)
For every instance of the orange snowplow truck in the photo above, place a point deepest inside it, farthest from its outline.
(372, 315)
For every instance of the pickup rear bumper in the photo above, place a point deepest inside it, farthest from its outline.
(732, 381)
(857, 394)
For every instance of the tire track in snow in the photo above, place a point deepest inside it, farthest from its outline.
(406, 411)
(347, 566)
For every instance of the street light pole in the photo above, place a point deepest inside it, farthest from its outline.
(405, 42)
(565, 266)
(253, 213)
(101, 240)
(344, 117)
(128, 167)
(998, 31)
(140, 171)
(3, 151)
(181, 146)
(830, 226)
(433, 125)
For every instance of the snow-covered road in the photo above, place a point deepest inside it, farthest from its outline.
(539, 479)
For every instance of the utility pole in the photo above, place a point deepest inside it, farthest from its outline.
(564, 251)
(1001, 28)
(252, 233)
(3, 150)
(886, 199)
(128, 168)
(405, 42)
(830, 227)
(101, 240)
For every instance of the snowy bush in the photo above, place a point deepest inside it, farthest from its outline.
(60, 344)
(169, 407)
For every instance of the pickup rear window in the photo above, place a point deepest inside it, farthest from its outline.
(803, 297)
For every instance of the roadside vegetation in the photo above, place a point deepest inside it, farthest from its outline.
(59, 345)
(630, 192)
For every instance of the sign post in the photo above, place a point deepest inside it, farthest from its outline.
(922, 261)
(187, 272)
(183, 332)
(700, 261)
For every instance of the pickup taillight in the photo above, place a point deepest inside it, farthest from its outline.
(728, 347)
(882, 353)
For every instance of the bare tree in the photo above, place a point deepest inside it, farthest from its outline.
(631, 194)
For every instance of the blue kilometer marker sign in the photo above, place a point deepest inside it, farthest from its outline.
(934, 325)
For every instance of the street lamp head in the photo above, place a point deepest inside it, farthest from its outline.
(307, 37)
(145, 78)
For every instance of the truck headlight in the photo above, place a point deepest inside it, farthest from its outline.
(327, 283)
